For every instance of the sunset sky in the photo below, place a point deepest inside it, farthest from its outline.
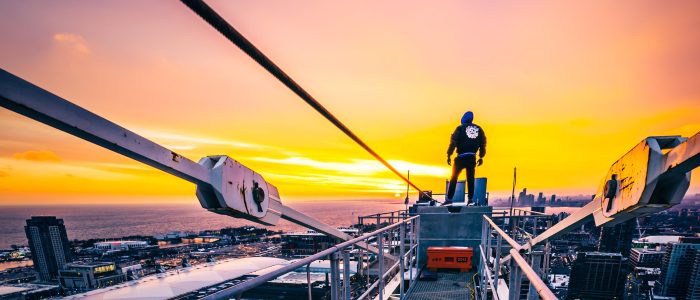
(561, 89)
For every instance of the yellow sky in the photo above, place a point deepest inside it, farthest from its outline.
(562, 90)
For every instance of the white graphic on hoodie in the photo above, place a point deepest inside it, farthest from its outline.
(472, 132)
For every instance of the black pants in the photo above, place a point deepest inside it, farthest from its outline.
(467, 162)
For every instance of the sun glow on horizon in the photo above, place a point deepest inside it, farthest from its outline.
(558, 96)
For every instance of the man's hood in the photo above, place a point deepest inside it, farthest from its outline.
(468, 117)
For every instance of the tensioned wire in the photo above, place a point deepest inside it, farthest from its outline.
(221, 25)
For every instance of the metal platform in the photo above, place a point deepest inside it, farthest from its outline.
(449, 285)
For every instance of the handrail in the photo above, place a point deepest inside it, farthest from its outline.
(494, 292)
(521, 217)
(536, 283)
(535, 279)
(531, 212)
(386, 213)
(238, 289)
(388, 271)
(505, 236)
(376, 283)
(401, 213)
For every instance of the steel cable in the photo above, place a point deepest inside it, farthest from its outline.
(221, 25)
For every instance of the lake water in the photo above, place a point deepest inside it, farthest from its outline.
(106, 221)
(14, 264)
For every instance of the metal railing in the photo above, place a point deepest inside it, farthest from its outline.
(390, 239)
(522, 216)
(389, 217)
(497, 256)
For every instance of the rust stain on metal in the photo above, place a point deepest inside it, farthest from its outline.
(627, 186)
(176, 157)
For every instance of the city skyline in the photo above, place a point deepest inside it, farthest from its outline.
(581, 94)
(581, 120)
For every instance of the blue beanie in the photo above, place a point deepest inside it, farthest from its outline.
(468, 117)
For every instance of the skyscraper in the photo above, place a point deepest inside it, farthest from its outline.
(596, 275)
(677, 268)
(48, 241)
(541, 199)
(694, 282)
(522, 197)
(618, 238)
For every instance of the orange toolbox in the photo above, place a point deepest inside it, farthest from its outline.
(450, 258)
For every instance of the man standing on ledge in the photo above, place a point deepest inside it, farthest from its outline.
(467, 138)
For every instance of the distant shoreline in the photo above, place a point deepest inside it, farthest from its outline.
(84, 222)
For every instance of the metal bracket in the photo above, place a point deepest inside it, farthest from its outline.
(238, 191)
(652, 177)
(224, 185)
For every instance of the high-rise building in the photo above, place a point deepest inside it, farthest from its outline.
(48, 241)
(522, 197)
(694, 282)
(617, 238)
(596, 275)
(646, 258)
(677, 268)
(553, 199)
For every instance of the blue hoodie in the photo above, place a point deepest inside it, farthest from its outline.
(463, 142)
(468, 117)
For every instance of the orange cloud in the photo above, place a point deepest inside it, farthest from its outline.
(359, 167)
(191, 142)
(560, 97)
(75, 41)
(37, 155)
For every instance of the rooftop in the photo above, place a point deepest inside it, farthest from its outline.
(120, 242)
(659, 239)
(89, 264)
(647, 250)
(595, 253)
(182, 281)
(6, 290)
(300, 277)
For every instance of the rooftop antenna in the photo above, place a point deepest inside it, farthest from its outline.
(405, 201)
(512, 200)
(512, 195)
(639, 229)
